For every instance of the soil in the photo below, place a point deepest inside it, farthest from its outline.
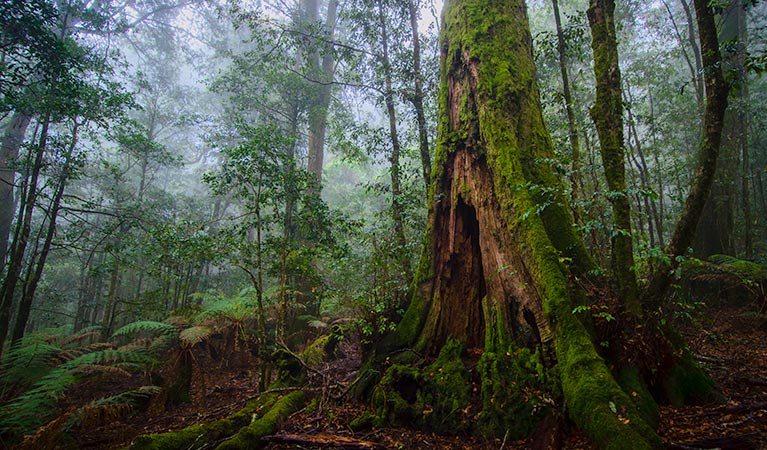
(729, 342)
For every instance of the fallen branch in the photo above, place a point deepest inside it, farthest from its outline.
(323, 440)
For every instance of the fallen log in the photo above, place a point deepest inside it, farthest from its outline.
(258, 418)
(323, 440)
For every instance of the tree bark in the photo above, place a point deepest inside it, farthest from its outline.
(30, 285)
(607, 114)
(321, 65)
(23, 230)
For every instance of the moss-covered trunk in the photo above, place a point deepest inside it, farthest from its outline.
(607, 114)
(501, 245)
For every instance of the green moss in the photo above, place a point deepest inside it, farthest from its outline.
(435, 398)
(686, 382)
(197, 436)
(497, 333)
(632, 383)
(315, 353)
(514, 391)
(397, 397)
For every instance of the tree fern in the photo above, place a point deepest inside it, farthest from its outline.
(194, 335)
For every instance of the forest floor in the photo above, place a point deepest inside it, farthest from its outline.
(728, 342)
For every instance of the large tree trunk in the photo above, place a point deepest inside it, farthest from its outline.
(501, 249)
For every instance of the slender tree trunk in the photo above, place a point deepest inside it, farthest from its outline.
(697, 77)
(30, 286)
(694, 45)
(111, 303)
(572, 130)
(394, 157)
(716, 104)
(607, 114)
(645, 176)
(9, 153)
(21, 237)
(658, 173)
(417, 97)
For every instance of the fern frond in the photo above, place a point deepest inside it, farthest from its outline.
(93, 369)
(48, 436)
(67, 355)
(28, 361)
(235, 309)
(194, 335)
(137, 344)
(107, 356)
(131, 397)
(145, 326)
(81, 337)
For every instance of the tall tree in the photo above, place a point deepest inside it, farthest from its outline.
(321, 65)
(501, 250)
(572, 130)
(607, 114)
(417, 97)
(717, 91)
